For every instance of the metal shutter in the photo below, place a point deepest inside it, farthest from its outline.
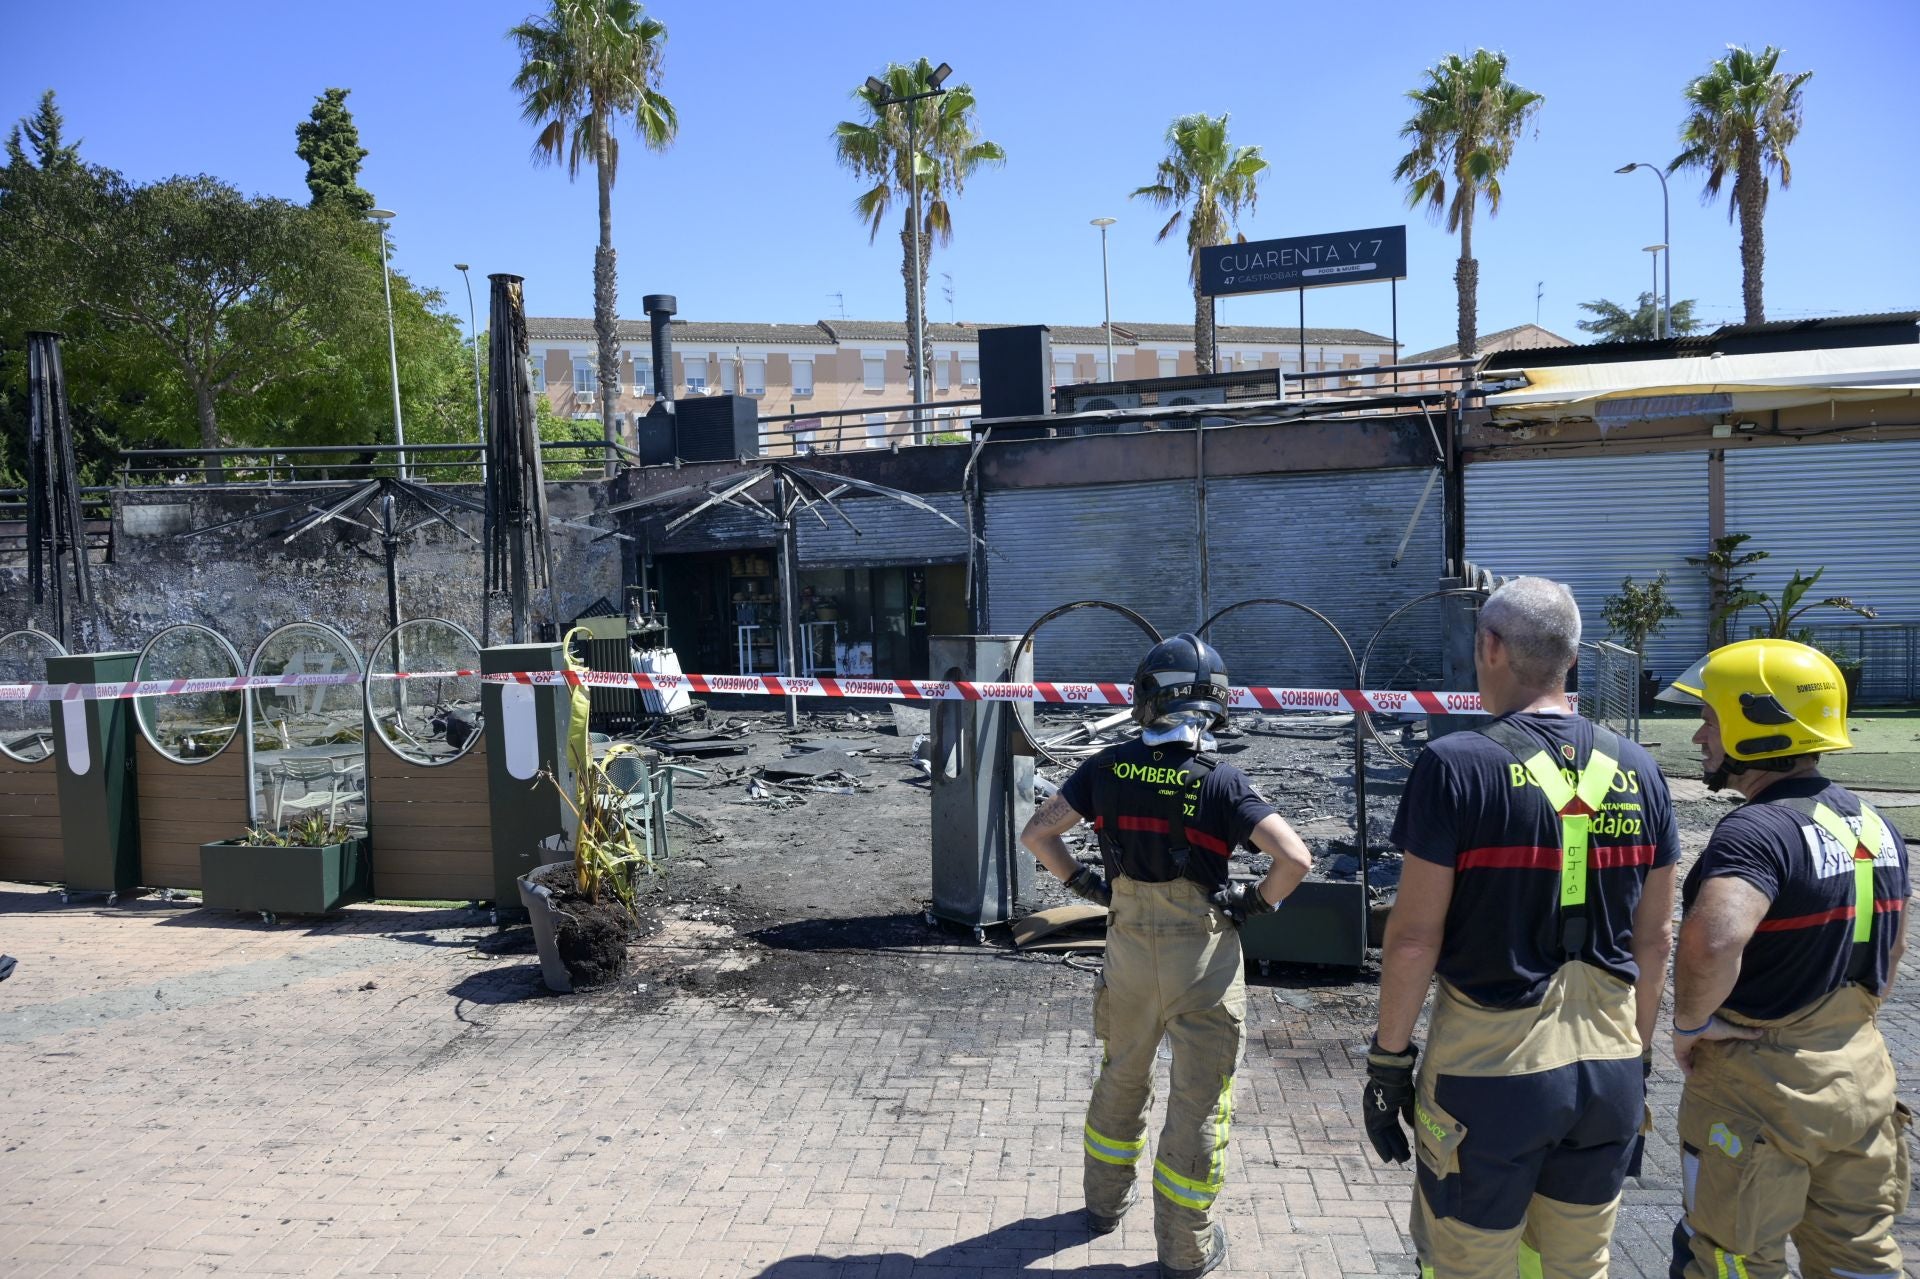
(1133, 544)
(891, 532)
(1325, 540)
(1591, 521)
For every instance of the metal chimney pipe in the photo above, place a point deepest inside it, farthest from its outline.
(660, 308)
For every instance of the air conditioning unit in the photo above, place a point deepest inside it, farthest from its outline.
(1198, 395)
(1107, 401)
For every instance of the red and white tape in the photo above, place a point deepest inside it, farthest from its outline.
(1048, 692)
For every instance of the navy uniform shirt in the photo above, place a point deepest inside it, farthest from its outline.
(1470, 806)
(1137, 795)
(1803, 947)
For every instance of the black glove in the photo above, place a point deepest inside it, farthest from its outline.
(1646, 1064)
(1092, 885)
(1238, 901)
(1388, 1100)
(1639, 1155)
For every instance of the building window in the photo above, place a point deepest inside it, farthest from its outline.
(1101, 373)
(582, 378)
(729, 369)
(756, 377)
(803, 377)
(697, 374)
(1226, 362)
(642, 377)
(1169, 364)
(539, 370)
(1063, 370)
(873, 372)
(942, 372)
(969, 370)
(876, 426)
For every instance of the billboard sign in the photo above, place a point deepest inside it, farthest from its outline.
(1305, 261)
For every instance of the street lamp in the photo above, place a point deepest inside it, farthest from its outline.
(1106, 293)
(384, 216)
(1655, 249)
(883, 98)
(479, 405)
(1666, 236)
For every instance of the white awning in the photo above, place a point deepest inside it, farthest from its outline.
(1644, 390)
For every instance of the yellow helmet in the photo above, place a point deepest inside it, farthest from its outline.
(1774, 698)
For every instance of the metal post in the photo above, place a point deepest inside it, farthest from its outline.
(1106, 294)
(1394, 287)
(479, 403)
(1665, 301)
(1300, 335)
(785, 504)
(383, 216)
(919, 302)
(1655, 249)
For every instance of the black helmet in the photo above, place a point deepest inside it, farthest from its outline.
(1184, 673)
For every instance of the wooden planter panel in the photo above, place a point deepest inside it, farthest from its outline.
(432, 828)
(183, 806)
(30, 847)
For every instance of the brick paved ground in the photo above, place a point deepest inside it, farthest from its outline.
(188, 1093)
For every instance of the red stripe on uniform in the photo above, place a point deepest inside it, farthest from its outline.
(1201, 840)
(1511, 857)
(1151, 825)
(1612, 856)
(1881, 906)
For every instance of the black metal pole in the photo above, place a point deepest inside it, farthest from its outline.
(1394, 285)
(1300, 337)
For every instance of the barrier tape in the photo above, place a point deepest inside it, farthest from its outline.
(1049, 692)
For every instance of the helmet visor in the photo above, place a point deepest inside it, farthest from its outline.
(1689, 689)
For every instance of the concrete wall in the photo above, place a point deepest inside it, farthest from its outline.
(243, 582)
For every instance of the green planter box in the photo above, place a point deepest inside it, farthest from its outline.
(285, 881)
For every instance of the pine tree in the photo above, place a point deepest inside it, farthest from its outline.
(329, 142)
(43, 132)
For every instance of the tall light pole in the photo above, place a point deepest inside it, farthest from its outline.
(384, 216)
(1106, 294)
(882, 98)
(1666, 236)
(479, 404)
(1655, 249)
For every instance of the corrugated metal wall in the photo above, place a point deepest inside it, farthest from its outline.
(1325, 540)
(1851, 508)
(1134, 544)
(891, 532)
(1589, 522)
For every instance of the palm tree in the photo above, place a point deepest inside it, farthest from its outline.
(1742, 117)
(586, 65)
(1210, 183)
(1612, 322)
(875, 148)
(1466, 119)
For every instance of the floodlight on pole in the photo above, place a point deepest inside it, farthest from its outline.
(1106, 293)
(384, 216)
(479, 404)
(1666, 236)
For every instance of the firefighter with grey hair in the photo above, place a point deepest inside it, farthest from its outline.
(1168, 815)
(1537, 887)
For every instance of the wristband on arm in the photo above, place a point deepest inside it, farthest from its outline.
(1701, 1029)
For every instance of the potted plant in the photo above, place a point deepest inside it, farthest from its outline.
(1636, 614)
(310, 868)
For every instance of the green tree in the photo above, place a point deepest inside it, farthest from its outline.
(875, 148)
(329, 141)
(1742, 115)
(1612, 322)
(1209, 182)
(587, 66)
(1466, 119)
(44, 133)
(1639, 611)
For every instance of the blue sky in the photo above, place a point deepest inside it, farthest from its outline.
(748, 218)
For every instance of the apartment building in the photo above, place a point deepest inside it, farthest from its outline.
(840, 380)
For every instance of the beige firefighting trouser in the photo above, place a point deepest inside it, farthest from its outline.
(1173, 969)
(1525, 1173)
(1795, 1133)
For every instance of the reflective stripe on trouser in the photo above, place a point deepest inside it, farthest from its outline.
(1173, 970)
(1524, 1122)
(1795, 1134)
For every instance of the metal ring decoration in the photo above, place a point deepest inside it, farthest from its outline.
(146, 708)
(1314, 613)
(1360, 674)
(44, 736)
(447, 725)
(326, 637)
(1026, 641)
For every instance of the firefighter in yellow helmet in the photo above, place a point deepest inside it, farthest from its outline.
(1794, 925)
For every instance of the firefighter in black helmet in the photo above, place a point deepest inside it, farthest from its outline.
(1168, 815)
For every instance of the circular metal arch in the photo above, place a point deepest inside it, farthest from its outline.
(419, 755)
(1314, 613)
(55, 649)
(1367, 655)
(256, 713)
(143, 706)
(1026, 642)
